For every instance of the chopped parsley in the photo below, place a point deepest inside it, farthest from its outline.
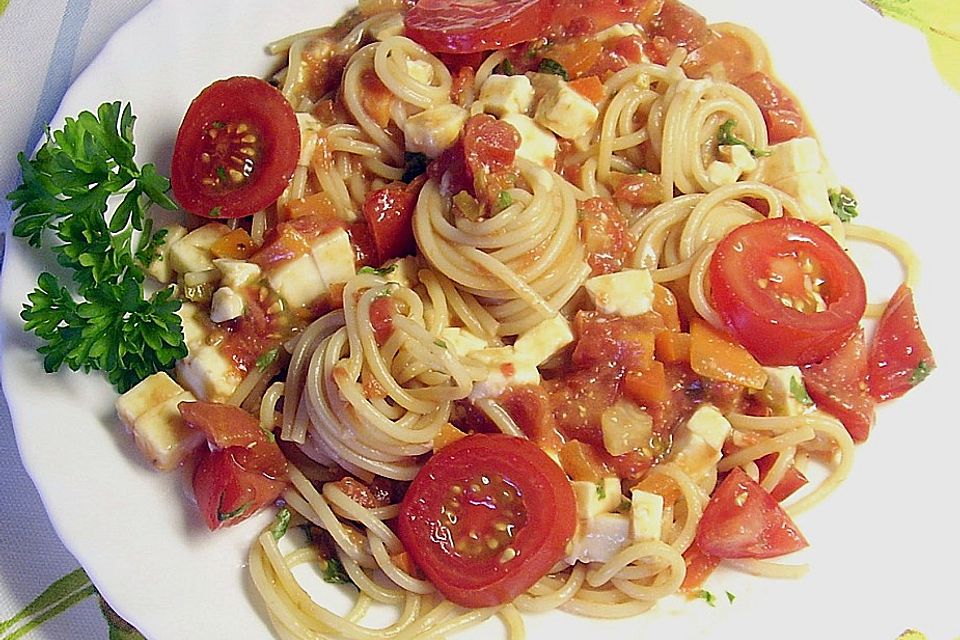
(280, 525)
(334, 573)
(505, 68)
(440, 343)
(267, 358)
(799, 391)
(230, 515)
(504, 200)
(844, 204)
(384, 272)
(725, 137)
(920, 373)
(707, 597)
(731, 597)
(549, 65)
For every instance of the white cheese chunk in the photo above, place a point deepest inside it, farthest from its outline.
(812, 193)
(161, 268)
(501, 94)
(722, 173)
(799, 155)
(567, 113)
(236, 273)
(461, 342)
(334, 257)
(420, 70)
(404, 271)
(209, 374)
(226, 304)
(646, 515)
(594, 499)
(542, 341)
(625, 293)
(192, 251)
(784, 390)
(150, 412)
(435, 130)
(600, 538)
(538, 145)
(626, 427)
(739, 156)
(195, 330)
(698, 444)
(507, 374)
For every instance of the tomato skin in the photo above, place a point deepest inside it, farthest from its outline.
(544, 522)
(468, 26)
(240, 100)
(899, 349)
(389, 215)
(586, 17)
(774, 249)
(742, 520)
(226, 492)
(780, 112)
(838, 385)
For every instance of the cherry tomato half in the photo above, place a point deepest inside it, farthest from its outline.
(742, 520)
(468, 26)
(236, 149)
(486, 517)
(786, 290)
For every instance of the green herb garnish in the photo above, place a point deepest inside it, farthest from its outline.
(230, 515)
(707, 597)
(548, 65)
(334, 573)
(505, 68)
(440, 343)
(281, 523)
(799, 392)
(920, 373)
(725, 137)
(844, 204)
(601, 491)
(267, 358)
(504, 200)
(66, 189)
(731, 597)
(384, 272)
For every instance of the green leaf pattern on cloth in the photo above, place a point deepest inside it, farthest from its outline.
(939, 21)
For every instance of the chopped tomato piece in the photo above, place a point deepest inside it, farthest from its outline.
(838, 385)
(530, 408)
(699, 567)
(381, 317)
(363, 494)
(780, 112)
(489, 150)
(791, 482)
(236, 149)
(590, 88)
(317, 204)
(744, 521)
(389, 215)
(448, 434)
(583, 461)
(899, 357)
(614, 341)
(230, 427)
(786, 290)
(673, 347)
(647, 387)
(487, 517)
(605, 235)
(587, 17)
(642, 190)
(681, 25)
(376, 98)
(227, 492)
(292, 238)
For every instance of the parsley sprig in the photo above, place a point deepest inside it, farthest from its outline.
(67, 189)
(725, 137)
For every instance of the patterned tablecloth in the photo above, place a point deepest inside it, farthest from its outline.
(43, 47)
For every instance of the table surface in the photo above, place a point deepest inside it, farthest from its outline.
(43, 47)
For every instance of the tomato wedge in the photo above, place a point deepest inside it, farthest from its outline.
(468, 26)
(389, 215)
(236, 149)
(742, 520)
(838, 385)
(487, 517)
(245, 470)
(786, 290)
(899, 357)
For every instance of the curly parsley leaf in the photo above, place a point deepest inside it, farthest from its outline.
(844, 204)
(725, 137)
(67, 188)
(799, 391)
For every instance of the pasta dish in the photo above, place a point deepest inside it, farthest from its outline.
(509, 306)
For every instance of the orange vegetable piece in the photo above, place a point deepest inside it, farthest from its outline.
(699, 567)
(716, 356)
(661, 485)
(448, 434)
(581, 461)
(673, 347)
(577, 58)
(590, 88)
(317, 204)
(647, 387)
(237, 245)
(665, 304)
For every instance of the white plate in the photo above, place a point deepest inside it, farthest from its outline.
(884, 555)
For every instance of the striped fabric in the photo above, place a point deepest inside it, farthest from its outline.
(43, 47)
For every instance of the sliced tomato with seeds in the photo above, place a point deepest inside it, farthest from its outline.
(236, 149)
(899, 357)
(786, 290)
(742, 520)
(486, 517)
(468, 26)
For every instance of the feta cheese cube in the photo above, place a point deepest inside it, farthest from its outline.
(541, 342)
(784, 391)
(698, 444)
(461, 342)
(567, 113)
(193, 322)
(150, 412)
(625, 293)
(226, 304)
(799, 155)
(404, 271)
(334, 257)
(501, 95)
(594, 499)
(739, 156)
(298, 281)
(209, 374)
(600, 538)
(161, 268)
(722, 173)
(538, 145)
(708, 423)
(236, 273)
(646, 515)
(435, 130)
(506, 374)
(812, 194)
(192, 251)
